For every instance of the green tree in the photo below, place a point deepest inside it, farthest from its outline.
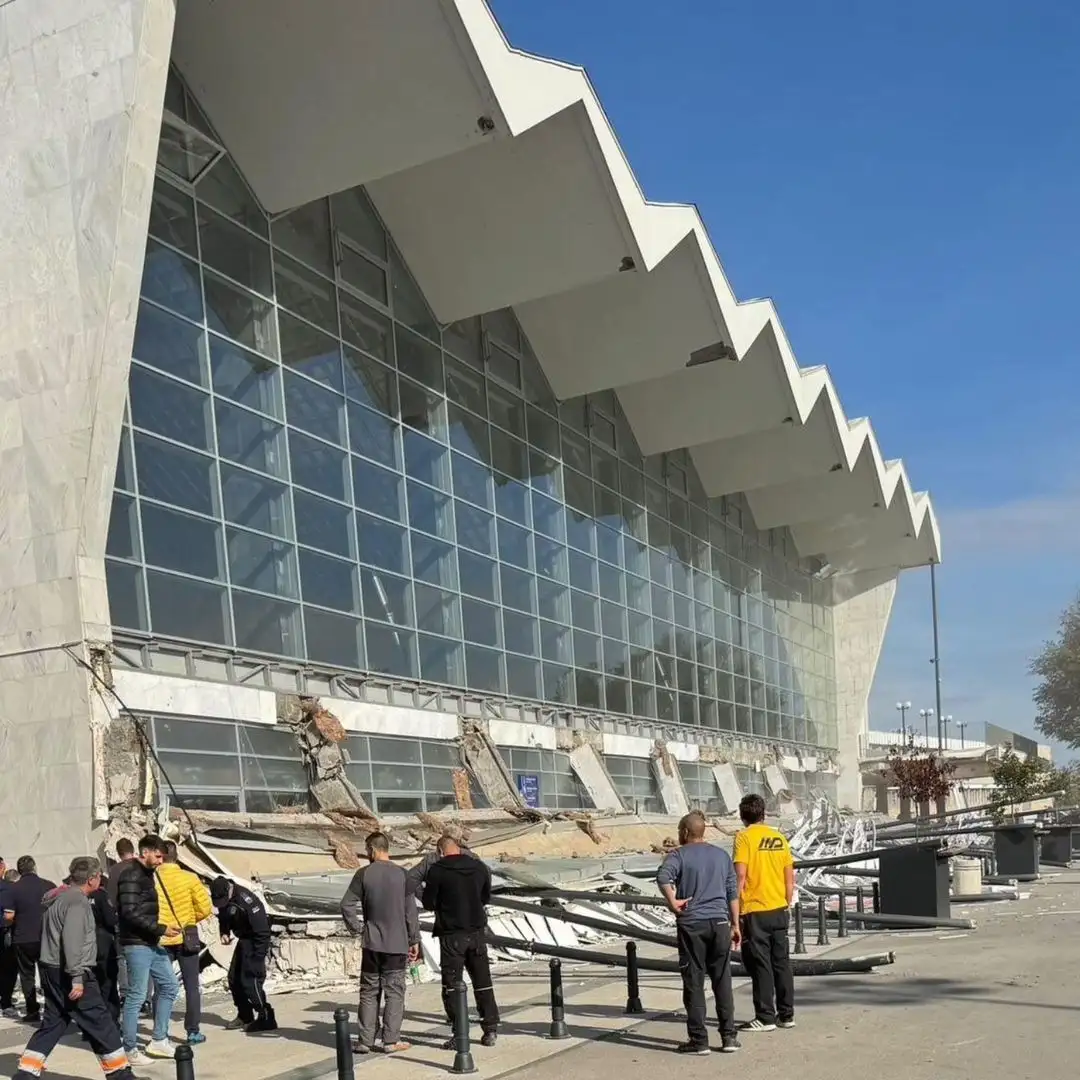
(920, 777)
(1020, 780)
(1057, 667)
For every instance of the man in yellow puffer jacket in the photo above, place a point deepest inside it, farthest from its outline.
(183, 900)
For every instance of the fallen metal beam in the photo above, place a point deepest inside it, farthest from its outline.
(893, 922)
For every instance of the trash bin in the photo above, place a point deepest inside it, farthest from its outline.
(915, 880)
(1016, 850)
(1056, 845)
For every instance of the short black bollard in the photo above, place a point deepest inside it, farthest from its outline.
(860, 899)
(558, 1029)
(822, 923)
(463, 1059)
(185, 1063)
(841, 912)
(342, 1044)
(800, 934)
(633, 993)
(877, 897)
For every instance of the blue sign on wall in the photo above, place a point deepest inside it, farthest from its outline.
(529, 789)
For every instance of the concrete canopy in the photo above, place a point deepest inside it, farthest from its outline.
(504, 185)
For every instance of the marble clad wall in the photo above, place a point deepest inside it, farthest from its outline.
(81, 90)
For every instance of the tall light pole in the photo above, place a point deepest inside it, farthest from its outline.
(926, 714)
(961, 724)
(945, 722)
(937, 654)
(903, 707)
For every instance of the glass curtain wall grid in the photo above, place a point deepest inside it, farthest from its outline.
(218, 765)
(311, 467)
(559, 787)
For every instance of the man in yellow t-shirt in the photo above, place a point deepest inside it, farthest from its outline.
(766, 874)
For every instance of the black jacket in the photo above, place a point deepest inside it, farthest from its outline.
(24, 898)
(417, 876)
(104, 921)
(245, 917)
(457, 888)
(137, 918)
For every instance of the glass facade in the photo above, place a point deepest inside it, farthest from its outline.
(313, 468)
(559, 787)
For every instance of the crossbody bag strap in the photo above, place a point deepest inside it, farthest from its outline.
(168, 898)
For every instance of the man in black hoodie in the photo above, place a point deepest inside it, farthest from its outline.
(25, 912)
(457, 888)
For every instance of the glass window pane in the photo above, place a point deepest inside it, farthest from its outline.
(181, 542)
(509, 455)
(172, 217)
(387, 598)
(426, 460)
(314, 408)
(422, 409)
(234, 251)
(478, 575)
(507, 410)
(437, 611)
(434, 562)
(369, 382)
(515, 545)
(517, 589)
(468, 433)
(391, 650)
(520, 633)
(548, 517)
(465, 386)
(584, 611)
(361, 273)
(356, 220)
(554, 600)
(241, 315)
(463, 339)
(244, 376)
(441, 661)
(127, 600)
(169, 408)
(201, 770)
(377, 489)
(522, 677)
(305, 233)
(512, 499)
(255, 501)
(484, 667)
(305, 293)
(123, 538)
(374, 435)
(274, 774)
(333, 639)
(550, 559)
(318, 466)
(173, 733)
(172, 281)
(555, 642)
(431, 511)
(183, 608)
(250, 439)
(310, 352)
(481, 622)
(419, 359)
(266, 625)
(257, 562)
(365, 327)
(475, 528)
(323, 524)
(503, 365)
(175, 475)
(472, 481)
(328, 582)
(382, 544)
(224, 188)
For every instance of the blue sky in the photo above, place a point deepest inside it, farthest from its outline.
(902, 180)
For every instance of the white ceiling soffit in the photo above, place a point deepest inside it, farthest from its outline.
(313, 98)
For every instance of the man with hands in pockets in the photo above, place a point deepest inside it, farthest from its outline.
(699, 883)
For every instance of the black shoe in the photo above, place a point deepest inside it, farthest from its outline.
(697, 1049)
(31, 1018)
(489, 1038)
(450, 1044)
(236, 1023)
(267, 1021)
(729, 1044)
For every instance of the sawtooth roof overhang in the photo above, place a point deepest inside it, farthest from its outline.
(503, 184)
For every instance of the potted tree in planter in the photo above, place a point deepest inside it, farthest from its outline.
(921, 778)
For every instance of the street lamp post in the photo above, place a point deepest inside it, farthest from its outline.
(903, 707)
(936, 661)
(926, 714)
(945, 722)
(961, 724)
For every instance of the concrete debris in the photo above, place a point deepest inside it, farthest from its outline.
(462, 788)
(345, 856)
(485, 763)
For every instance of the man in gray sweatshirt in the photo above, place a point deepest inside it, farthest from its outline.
(699, 883)
(378, 906)
(68, 955)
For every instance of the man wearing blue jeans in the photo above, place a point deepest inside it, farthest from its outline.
(139, 933)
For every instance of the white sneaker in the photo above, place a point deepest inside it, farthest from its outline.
(137, 1057)
(785, 1023)
(160, 1048)
(756, 1025)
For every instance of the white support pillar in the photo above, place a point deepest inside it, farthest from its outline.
(590, 770)
(668, 778)
(730, 789)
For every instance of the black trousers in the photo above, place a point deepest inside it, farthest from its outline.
(247, 973)
(467, 951)
(107, 973)
(705, 952)
(27, 956)
(189, 976)
(767, 961)
(90, 1015)
(9, 974)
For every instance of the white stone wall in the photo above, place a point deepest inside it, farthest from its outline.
(81, 90)
(862, 605)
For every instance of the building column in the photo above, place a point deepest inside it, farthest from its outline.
(668, 778)
(731, 791)
(589, 768)
(79, 134)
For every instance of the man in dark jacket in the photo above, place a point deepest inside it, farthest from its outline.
(139, 934)
(458, 886)
(379, 906)
(71, 993)
(242, 915)
(106, 969)
(25, 898)
(9, 966)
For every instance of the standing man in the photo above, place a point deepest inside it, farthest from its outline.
(125, 852)
(25, 897)
(140, 929)
(68, 947)
(185, 901)
(9, 966)
(106, 965)
(379, 906)
(698, 881)
(457, 889)
(242, 915)
(766, 875)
